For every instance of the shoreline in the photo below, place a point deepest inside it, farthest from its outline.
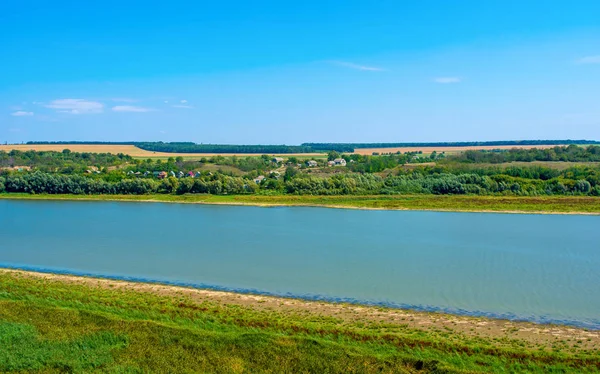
(468, 325)
(357, 202)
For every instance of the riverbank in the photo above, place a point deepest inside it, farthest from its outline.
(48, 320)
(457, 203)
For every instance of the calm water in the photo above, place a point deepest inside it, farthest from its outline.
(535, 267)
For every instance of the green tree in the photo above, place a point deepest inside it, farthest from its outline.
(186, 185)
(290, 172)
(332, 155)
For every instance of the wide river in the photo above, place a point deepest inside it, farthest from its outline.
(543, 268)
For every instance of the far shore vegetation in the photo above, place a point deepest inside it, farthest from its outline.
(59, 323)
(558, 179)
(458, 203)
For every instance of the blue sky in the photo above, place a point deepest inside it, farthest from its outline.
(274, 72)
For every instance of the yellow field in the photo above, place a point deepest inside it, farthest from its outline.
(427, 150)
(140, 153)
(132, 151)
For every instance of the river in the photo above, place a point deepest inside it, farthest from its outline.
(543, 268)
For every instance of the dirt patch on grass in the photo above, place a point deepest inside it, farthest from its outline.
(496, 330)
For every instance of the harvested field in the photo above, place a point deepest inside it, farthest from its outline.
(428, 150)
(140, 153)
(131, 150)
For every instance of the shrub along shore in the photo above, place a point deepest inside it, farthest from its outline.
(457, 203)
(565, 171)
(61, 323)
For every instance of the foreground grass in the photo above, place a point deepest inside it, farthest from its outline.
(51, 325)
(469, 203)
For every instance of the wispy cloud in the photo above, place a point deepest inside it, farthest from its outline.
(76, 106)
(20, 113)
(354, 66)
(447, 80)
(183, 101)
(183, 106)
(589, 60)
(131, 108)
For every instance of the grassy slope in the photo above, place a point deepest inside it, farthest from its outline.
(546, 204)
(53, 326)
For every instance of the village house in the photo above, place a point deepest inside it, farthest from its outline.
(277, 160)
(191, 174)
(339, 162)
(311, 163)
(259, 179)
(161, 175)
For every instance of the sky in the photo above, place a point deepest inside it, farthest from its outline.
(283, 72)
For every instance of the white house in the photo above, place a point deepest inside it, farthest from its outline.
(339, 162)
(311, 163)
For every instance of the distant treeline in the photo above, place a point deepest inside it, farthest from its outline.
(190, 147)
(222, 148)
(570, 153)
(350, 147)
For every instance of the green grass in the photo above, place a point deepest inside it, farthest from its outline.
(54, 326)
(539, 204)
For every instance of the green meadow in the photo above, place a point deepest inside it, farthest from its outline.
(467, 203)
(52, 326)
